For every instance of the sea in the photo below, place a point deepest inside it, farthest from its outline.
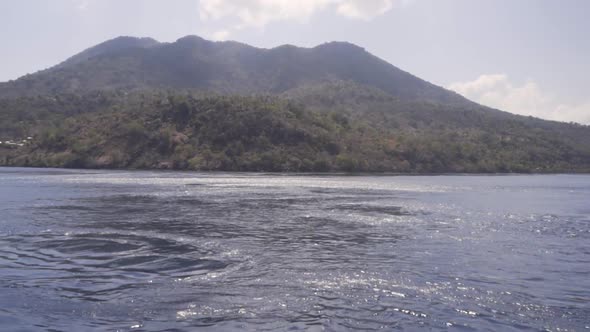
(98, 250)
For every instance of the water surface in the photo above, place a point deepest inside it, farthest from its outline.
(153, 251)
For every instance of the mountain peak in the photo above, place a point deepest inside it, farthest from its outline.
(339, 46)
(192, 39)
(110, 46)
(130, 41)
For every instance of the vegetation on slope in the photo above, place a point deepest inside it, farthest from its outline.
(289, 133)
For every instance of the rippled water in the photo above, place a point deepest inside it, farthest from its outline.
(152, 251)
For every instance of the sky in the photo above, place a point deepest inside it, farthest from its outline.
(529, 57)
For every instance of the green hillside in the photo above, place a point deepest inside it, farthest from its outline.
(268, 133)
(197, 104)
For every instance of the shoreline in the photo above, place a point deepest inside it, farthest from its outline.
(259, 173)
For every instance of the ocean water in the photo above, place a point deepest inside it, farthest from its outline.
(182, 251)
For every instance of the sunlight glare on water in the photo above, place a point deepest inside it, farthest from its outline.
(150, 251)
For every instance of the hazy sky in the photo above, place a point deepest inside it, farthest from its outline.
(523, 56)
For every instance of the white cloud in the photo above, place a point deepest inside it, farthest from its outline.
(258, 13)
(363, 9)
(496, 90)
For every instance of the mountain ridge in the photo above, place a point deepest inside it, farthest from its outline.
(233, 68)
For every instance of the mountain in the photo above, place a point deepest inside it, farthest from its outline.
(203, 105)
(224, 67)
(110, 47)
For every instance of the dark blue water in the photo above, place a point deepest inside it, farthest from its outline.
(153, 251)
